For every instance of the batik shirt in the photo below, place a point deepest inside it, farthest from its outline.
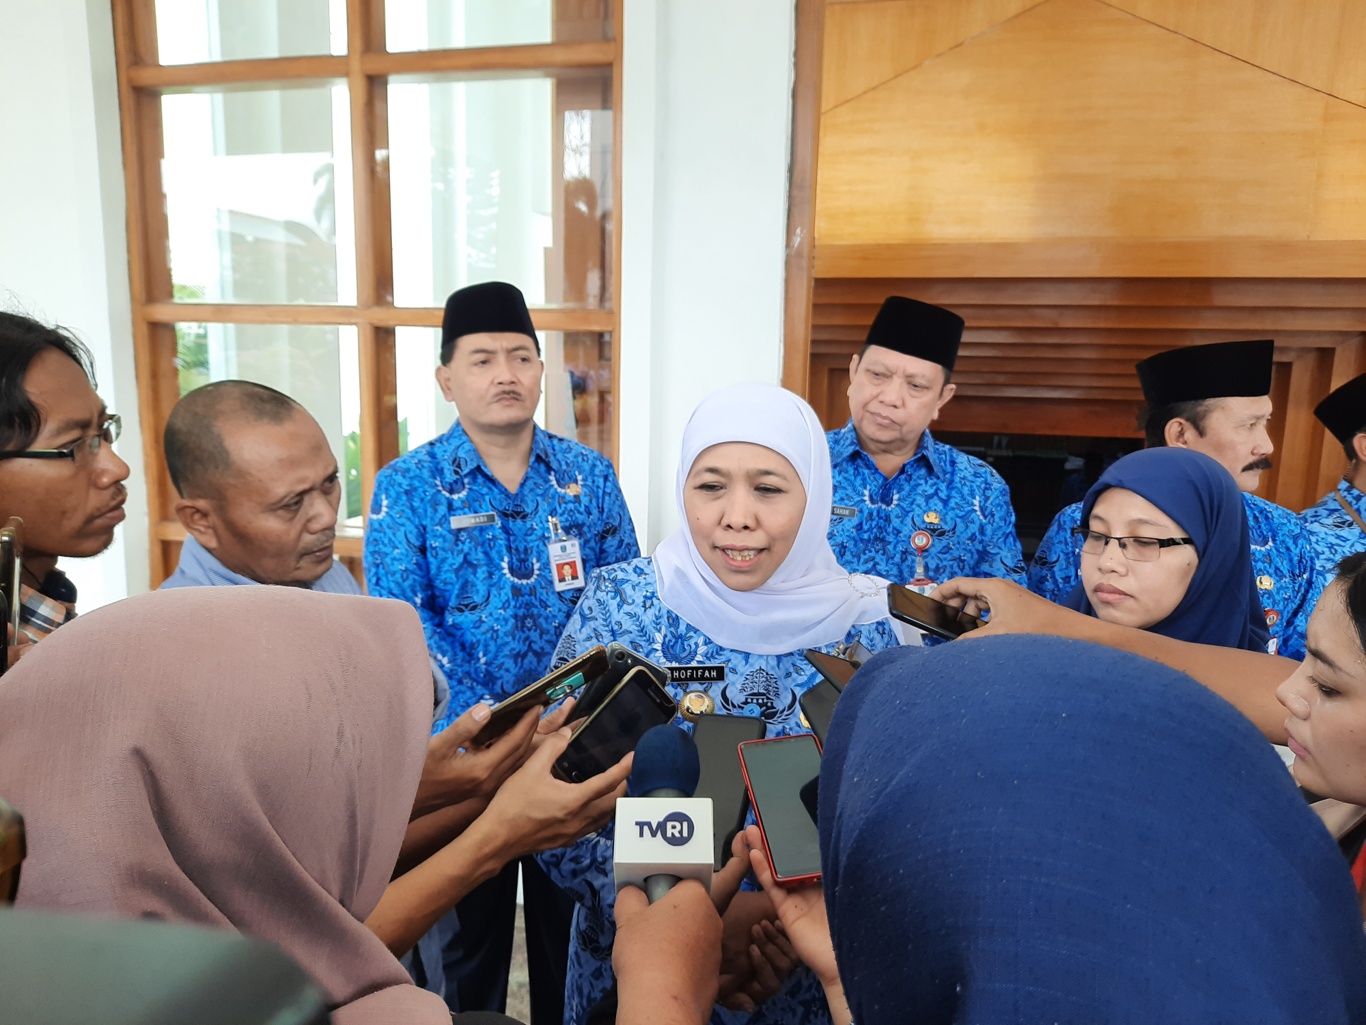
(622, 604)
(1333, 534)
(445, 536)
(958, 503)
(1282, 562)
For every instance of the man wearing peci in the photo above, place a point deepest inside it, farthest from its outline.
(58, 470)
(1216, 400)
(490, 532)
(908, 507)
(1337, 522)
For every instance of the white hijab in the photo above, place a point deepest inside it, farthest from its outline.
(810, 600)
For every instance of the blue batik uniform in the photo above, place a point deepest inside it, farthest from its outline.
(959, 501)
(1282, 562)
(447, 537)
(622, 604)
(1333, 534)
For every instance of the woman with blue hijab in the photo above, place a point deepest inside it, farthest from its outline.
(1164, 547)
(997, 849)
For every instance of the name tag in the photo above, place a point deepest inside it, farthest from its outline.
(696, 674)
(848, 512)
(473, 520)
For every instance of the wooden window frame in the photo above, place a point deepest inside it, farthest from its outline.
(366, 68)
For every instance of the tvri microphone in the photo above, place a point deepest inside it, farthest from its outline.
(663, 833)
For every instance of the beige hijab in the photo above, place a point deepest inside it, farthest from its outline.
(243, 757)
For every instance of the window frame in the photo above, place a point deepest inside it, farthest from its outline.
(366, 68)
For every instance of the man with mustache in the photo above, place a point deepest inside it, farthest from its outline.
(258, 490)
(491, 531)
(1214, 399)
(58, 469)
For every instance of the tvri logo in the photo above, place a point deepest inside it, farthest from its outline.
(675, 829)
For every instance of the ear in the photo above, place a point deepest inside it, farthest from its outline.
(945, 393)
(1359, 446)
(196, 515)
(853, 367)
(1177, 433)
(443, 381)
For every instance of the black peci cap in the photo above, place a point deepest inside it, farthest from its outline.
(494, 307)
(918, 329)
(1343, 412)
(1214, 371)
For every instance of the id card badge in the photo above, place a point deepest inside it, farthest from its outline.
(566, 562)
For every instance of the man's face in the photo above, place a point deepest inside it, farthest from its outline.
(1235, 434)
(494, 380)
(69, 507)
(274, 515)
(893, 397)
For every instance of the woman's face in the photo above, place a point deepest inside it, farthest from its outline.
(1326, 699)
(1129, 593)
(744, 505)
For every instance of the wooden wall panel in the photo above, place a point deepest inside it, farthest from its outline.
(1318, 43)
(869, 43)
(1076, 120)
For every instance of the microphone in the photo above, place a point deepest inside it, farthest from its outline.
(663, 833)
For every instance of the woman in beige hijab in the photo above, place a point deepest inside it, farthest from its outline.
(243, 757)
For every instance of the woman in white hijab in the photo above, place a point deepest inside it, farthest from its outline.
(738, 593)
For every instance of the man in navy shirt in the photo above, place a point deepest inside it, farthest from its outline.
(908, 507)
(490, 531)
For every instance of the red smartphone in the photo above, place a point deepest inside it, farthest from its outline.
(776, 772)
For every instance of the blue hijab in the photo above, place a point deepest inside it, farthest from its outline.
(1034, 829)
(1221, 604)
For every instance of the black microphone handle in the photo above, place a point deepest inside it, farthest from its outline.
(657, 886)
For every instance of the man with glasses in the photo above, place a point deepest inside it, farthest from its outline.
(1214, 399)
(58, 470)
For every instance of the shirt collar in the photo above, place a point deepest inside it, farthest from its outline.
(202, 568)
(1354, 497)
(845, 443)
(462, 457)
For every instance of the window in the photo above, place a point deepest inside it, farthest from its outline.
(309, 179)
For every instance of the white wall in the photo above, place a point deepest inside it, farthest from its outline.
(63, 245)
(707, 126)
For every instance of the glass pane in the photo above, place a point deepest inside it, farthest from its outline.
(456, 24)
(576, 400)
(505, 179)
(196, 31)
(318, 367)
(258, 195)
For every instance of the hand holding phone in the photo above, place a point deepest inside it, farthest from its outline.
(550, 688)
(925, 613)
(776, 771)
(613, 729)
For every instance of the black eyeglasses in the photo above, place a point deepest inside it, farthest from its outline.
(1135, 549)
(81, 450)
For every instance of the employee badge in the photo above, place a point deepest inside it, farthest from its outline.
(566, 562)
(921, 541)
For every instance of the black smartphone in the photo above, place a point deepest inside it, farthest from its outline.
(545, 691)
(838, 671)
(11, 563)
(927, 614)
(12, 851)
(620, 661)
(718, 738)
(615, 727)
(777, 772)
(818, 707)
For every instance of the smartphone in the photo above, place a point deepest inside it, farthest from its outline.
(838, 671)
(777, 772)
(927, 614)
(818, 707)
(11, 562)
(620, 661)
(615, 727)
(718, 738)
(545, 691)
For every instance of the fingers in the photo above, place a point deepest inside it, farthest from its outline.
(609, 781)
(462, 731)
(726, 883)
(631, 901)
(776, 948)
(758, 862)
(766, 979)
(958, 589)
(557, 717)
